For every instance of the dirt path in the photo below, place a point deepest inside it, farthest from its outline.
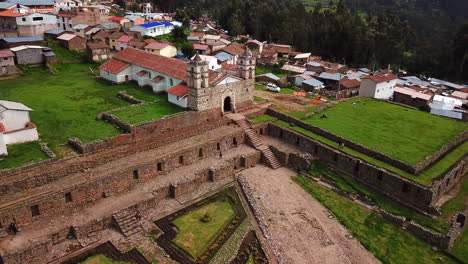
(287, 102)
(301, 229)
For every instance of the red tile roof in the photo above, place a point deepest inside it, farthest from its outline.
(114, 18)
(381, 77)
(200, 46)
(97, 45)
(156, 46)
(114, 66)
(234, 49)
(125, 38)
(350, 83)
(5, 53)
(66, 15)
(168, 66)
(197, 34)
(11, 13)
(178, 90)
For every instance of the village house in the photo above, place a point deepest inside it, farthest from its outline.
(298, 79)
(78, 15)
(113, 40)
(98, 51)
(28, 54)
(255, 45)
(291, 69)
(345, 88)
(135, 20)
(235, 50)
(282, 50)
(89, 33)
(15, 125)
(11, 42)
(81, 29)
(224, 58)
(215, 46)
(119, 20)
(302, 58)
(210, 39)
(65, 5)
(447, 106)
(271, 78)
(137, 44)
(312, 85)
(411, 97)
(72, 42)
(35, 6)
(162, 49)
(211, 60)
(201, 49)
(153, 29)
(122, 42)
(193, 39)
(7, 62)
(109, 26)
(53, 33)
(268, 57)
(101, 36)
(379, 86)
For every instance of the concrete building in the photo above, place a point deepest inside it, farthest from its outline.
(78, 15)
(153, 29)
(28, 54)
(379, 86)
(81, 29)
(24, 23)
(7, 62)
(15, 125)
(211, 60)
(411, 97)
(162, 49)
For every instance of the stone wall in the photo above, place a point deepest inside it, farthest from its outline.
(385, 182)
(450, 177)
(417, 169)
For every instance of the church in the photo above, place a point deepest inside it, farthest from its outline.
(189, 85)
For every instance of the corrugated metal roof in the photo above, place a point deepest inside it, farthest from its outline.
(14, 106)
(80, 26)
(313, 82)
(66, 36)
(54, 31)
(33, 2)
(48, 54)
(22, 39)
(330, 76)
(270, 75)
(6, 5)
(223, 56)
(23, 47)
(151, 24)
(193, 38)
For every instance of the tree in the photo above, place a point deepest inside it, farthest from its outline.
(135, 7)
(187, 49)
(121, 3)
(180, 36)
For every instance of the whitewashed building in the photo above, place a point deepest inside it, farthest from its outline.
(379, 86)
(211, 60)
(153, 29)
(15, 125)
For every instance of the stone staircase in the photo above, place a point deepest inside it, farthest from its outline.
(127, 223)
(254, 139)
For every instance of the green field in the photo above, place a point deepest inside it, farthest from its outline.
(424, 178)
(385, 240)
(460, 249)
(66, 104)
(158, 109)
(22, 154)
(101, 259)
(259, 70)
(401, 133)
(261, 119)
(199, 227)
(351, 186)
(458, 203)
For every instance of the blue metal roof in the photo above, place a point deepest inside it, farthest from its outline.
(49, 54)
(193, 38)
(331, 76)
(152, 24)
(167, 24)
(223, 56)
(33, 2)
(364, 70)
(270, 75)
(54, 31)
(311, 73)
(22, 39)
(313, 82)
(6, 5)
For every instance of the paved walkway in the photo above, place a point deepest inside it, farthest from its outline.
(301, 229)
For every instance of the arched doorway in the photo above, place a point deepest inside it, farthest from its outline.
(227, 106)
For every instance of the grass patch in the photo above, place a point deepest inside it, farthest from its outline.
(101, 259)
(399, 132)
(251, 260)
(64, 55)
(259, 99)
(285, 90)
(22, 154)
(349, 185)
(424, 178)
(137, 114)
(199, 227)
(66, 104)
(460, 249)
(458, 203)
(259, 70)
(386, 241)
(261, 119)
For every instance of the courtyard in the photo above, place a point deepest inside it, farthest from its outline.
(66, 104)
(399, 132)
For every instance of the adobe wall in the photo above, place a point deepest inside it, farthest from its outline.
(417, 169)
(450, 177)
(119, 182)
(148, 136)
(387, 183)
(90, 231)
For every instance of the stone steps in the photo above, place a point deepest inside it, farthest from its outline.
(254, 139)
(127, 224)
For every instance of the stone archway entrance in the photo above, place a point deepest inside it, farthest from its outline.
(227, 105)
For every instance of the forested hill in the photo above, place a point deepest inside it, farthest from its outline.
(421, 36)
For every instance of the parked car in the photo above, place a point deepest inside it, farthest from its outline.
(273, 87)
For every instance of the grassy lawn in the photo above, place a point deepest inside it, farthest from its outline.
(22, 154)
(386, 241)
(458, 203)
(101, 259)
(64, 55)
(66, 104)
(149, 111)
(259, 70)
(285, 90)
(460, 249)
(261, 119)
(399, 132)
(259, 99)
(424, 178)
(349, 185)
(199, 227)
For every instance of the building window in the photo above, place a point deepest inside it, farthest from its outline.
(181, 159)
(35, 210)
(159, 166)
(136, 174)
(200, 153)
(218, 146)
(171, 82)
(23, 19)
(68, 197)
(38, 18)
